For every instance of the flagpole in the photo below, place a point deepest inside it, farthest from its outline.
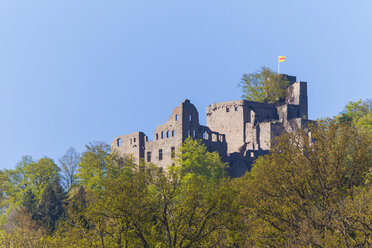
(278, 66)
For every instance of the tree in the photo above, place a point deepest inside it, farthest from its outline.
(69, 164)
(194, 158)
(29, 202)
(311, 190)
(263, 85)
(27, 181)
(359, 113)
(142, 206)
(51, 206)
(93, 164)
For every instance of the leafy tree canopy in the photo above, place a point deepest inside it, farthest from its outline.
(93, 164)
(359, 113)
(195, 159)
(308, 189)
(263, 85)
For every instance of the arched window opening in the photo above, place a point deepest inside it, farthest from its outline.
(118, 142)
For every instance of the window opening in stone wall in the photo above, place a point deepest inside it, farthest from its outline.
(193, 133)
(160, 154)
(236, 108)
(134, 140)
(167, 134)
(190, 117)
(146, 138)
(188, 132)
(148, 156)
(227, 109)
(176, 117)
(157, 136)
(173, 133)
(204, 135)
(173, 152)
(118, 142)
(162, 134)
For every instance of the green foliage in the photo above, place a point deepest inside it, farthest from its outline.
(51, 206)
(29, 202)
(93, 164)
(359, 113)
(311, 192)
(264, 86)
(27, 181)
(195, 159)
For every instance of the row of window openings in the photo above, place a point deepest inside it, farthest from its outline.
(119, 142)
(148, 155)
(190, 117)
(189, 133)
(167, 134)
(205, 135)
(228, 109)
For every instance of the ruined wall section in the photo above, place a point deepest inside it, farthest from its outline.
(296, 94)
(231, 118)
(131, 145)
(168, 137)
(228, 118)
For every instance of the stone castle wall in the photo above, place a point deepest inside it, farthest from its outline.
(239, 130)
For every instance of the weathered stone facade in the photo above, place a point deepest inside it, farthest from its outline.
(239, 130)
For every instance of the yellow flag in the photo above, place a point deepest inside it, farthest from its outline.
(281, 58)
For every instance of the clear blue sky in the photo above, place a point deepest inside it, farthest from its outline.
(73, 71)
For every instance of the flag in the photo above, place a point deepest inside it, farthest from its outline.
(281, 58)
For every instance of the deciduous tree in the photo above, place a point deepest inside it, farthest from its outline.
(263, 85)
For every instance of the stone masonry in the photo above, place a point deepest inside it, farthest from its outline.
(239, 130)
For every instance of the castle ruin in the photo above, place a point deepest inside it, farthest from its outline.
(239, 131)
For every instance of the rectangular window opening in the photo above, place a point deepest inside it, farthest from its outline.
(160, 154)
(173, 152)
(148, 156)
